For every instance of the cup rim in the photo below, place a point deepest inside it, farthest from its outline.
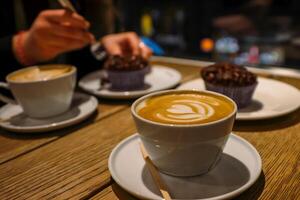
(139, 100)
(72, 71)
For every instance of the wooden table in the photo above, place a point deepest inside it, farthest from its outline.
(72, 163)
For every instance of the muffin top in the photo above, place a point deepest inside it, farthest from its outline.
(125, 63)
(227, 74)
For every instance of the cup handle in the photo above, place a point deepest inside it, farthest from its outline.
(3, 98)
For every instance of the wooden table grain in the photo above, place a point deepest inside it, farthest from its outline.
(72, 163)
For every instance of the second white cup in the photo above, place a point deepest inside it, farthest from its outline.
(45, 96)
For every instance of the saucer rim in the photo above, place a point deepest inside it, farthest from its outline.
(52, 126)
(240, 117)
(228, 195)
(127, 94)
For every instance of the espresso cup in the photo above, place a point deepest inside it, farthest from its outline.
(42, 91)
(184, 131)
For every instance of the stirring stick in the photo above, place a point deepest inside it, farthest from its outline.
(67, 5)
(155, 175)
(96, 46)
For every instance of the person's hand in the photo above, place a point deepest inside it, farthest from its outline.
(125, 44)
(54, 32)
(235, 24)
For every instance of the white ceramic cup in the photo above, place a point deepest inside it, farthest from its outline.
(184, 150)
(42, 98)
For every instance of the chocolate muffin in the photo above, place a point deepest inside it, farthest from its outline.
(231, 80)
(126, 73)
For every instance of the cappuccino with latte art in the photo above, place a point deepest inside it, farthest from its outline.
(185, 108)
(42, 91)
(184, 131)
(44, 73)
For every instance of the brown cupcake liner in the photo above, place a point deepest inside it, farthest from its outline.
(127, 80)
(242, 95)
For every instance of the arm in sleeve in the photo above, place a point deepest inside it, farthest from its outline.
(8, 62)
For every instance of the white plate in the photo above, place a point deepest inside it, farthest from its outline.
(238, 169)
(160, 78)
(271, 99)
(15, 120)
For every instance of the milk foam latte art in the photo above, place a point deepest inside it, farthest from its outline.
(185, 108)
(36, 73)
(184, 131)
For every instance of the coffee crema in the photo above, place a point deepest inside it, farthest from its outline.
(40, 73)
(185, 108)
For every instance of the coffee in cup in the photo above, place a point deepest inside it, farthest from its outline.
(184, 131)
(42, 91)
(185, 108)
(40, 73)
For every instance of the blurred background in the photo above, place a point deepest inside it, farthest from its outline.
(252, 32)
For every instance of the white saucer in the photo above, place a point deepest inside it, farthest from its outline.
(160, 78)
(238, 169)
(271, 99)
(82, 107)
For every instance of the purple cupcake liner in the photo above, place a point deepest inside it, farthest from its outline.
(242, 95)
(127, 80)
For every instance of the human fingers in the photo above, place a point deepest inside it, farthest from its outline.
(132, 41)
(65, 17)
(111, 44)
(45, 35)
(37, 48)
(72, 33)
(70, 43)
(146, 52)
